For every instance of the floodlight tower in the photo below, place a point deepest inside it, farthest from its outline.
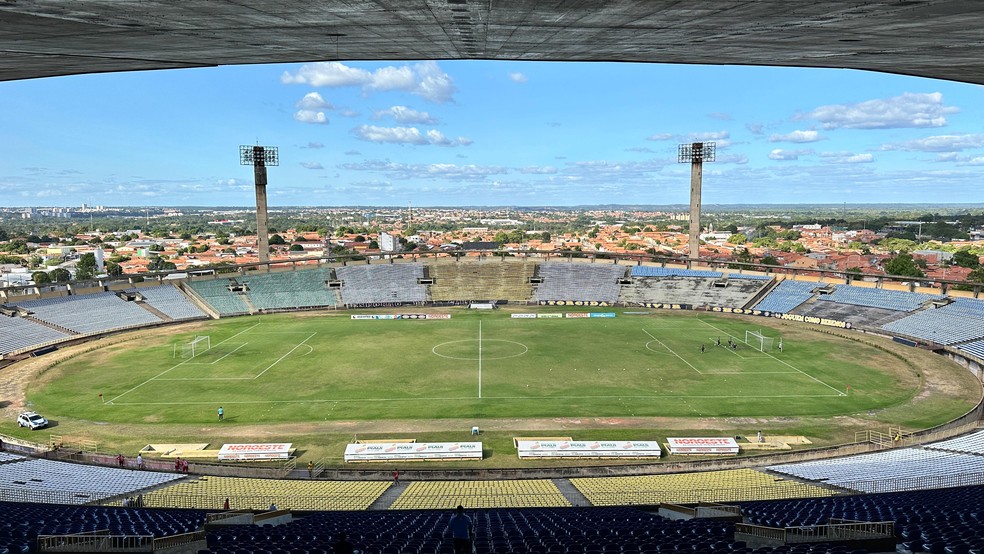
(259, 157)
(696, 153)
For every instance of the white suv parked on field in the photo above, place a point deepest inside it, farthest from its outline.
(33, 420)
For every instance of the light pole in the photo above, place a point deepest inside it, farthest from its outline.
(696, 153)
(259, 157)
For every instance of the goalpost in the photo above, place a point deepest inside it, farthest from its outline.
(758, 341)
(196, 346)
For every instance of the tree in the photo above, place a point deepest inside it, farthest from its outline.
(15, 247)
(743, 255)
(114, 269)
(86, 267)
(738, 238)
(976, 276)
(965, 258)
(277, 239)
(60, 275)
(296, 248)
(769, 260)
(903, 265)
(40, 278)
(374, 245)
(160, 264)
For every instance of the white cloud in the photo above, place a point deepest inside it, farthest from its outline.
(399, 135)
(906, 111)
(314, 145)
(782, 155)
(720, 116)
(311, 116)
(709, 135)
(939, 143)
(846, 158)
(517, 77)
(327, 74)
(660, 136)
(453, 172)
(313, 101)
(538, 170)
(406, 135)
(403, 114)
(425, 79)
(312, 165)
(755, 128)
(796, 136)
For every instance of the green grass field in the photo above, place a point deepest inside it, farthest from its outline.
(312, 367)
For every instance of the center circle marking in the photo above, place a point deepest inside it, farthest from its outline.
(484, 357)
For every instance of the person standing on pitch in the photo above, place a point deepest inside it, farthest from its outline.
(221, 413)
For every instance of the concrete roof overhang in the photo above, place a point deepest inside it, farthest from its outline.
(931, 38)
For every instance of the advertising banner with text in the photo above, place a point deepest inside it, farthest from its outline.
(396, 451)
(247, 452)
(703, 445)
(588, 449)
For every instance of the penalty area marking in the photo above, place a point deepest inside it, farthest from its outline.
(664, 353)
(253, 378)
(189, 362)
(672, 352)
(783, 362)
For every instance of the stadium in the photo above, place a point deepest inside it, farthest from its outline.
(570, 404)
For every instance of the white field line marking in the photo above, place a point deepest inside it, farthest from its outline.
(177, 365)
(289, 352)
(479, 358)
(472, 398)
(222, 358)
(671, 351)
(713, 372)
(660, 352)
(205, 378)
(783, 362)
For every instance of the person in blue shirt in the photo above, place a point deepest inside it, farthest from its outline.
(461, 531)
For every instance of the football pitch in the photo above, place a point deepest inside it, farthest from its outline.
(317, 367)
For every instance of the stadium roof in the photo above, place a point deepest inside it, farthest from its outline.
(931, 38)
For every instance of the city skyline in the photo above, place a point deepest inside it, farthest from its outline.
(469, 133)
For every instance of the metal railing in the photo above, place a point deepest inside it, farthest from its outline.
(96, 543)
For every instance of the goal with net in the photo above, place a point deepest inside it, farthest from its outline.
(758, 341)
(196, 346)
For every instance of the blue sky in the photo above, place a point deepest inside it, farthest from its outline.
(455, 133)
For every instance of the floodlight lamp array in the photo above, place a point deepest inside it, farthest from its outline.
(697, 152)
(258, 155)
